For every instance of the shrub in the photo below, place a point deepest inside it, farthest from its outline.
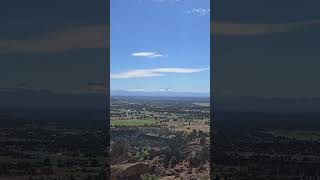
(119, 148)
(149, 177)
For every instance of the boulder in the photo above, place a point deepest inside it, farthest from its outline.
(129, 170)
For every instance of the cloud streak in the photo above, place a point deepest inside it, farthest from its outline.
(86, 37)
(198, 11)
(139, 73)
(221, 28)
(147, 54)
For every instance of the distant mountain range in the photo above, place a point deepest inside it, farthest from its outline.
(29, 98)
(157, 93)
(33, 98)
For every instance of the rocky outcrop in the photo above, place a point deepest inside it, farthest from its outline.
(123, 171)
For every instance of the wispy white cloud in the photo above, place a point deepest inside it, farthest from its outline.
(165, 89)
(136, 90)
(198, 11)
(147, 54)
(139, 73)
(255, 29)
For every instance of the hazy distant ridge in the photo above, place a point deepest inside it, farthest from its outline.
(158, 93)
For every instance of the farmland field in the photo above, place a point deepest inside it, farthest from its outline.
(134, 122)
(169, 134)
(205, 104)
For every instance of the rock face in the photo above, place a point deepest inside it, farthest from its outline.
(128, 170)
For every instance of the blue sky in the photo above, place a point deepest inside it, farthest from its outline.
(160, 44)
(261, 47)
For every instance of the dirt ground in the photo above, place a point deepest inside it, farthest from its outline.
(182, 126)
